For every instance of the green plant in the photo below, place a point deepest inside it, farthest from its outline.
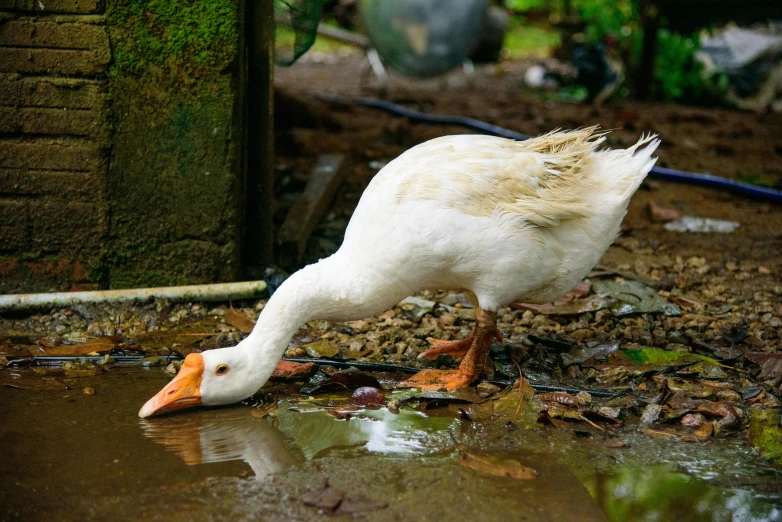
(678, 76)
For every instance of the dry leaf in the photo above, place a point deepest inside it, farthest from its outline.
(322, 348)
(238, 320)
(491, 465)
(99, 345)
(293, 370)
(704, 432)
(169, 338)
(25, 382)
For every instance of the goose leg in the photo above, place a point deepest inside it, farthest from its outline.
(470, 367)
(455, 349)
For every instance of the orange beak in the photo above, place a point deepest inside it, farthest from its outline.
(184, 390)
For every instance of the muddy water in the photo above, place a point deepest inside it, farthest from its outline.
(69, 456)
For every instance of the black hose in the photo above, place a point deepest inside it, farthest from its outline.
(680, 176)
(125, 360)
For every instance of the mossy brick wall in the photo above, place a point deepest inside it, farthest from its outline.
(121, 142)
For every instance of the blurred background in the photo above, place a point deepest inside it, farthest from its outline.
(705, 75)
(178, 142)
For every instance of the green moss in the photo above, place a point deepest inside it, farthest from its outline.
(765, 434)
(200, 33)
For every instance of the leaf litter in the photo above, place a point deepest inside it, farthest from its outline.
(634, 342)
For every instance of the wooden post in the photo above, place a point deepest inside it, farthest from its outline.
(309, 208)
(650, 21)
(259, 187)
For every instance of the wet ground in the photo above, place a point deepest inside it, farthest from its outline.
(674, 440)
(71, 456)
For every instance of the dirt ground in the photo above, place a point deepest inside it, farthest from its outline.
(718, 141)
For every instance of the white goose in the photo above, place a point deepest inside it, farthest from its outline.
(502, 220)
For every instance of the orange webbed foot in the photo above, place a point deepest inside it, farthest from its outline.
(455, 349)
(435, 380)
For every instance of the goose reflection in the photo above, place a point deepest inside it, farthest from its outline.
(202, 437)
(300, 431)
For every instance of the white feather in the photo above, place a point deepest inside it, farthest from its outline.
(500, 219)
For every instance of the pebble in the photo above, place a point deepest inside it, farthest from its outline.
(368, 396)
(650, 414)
(486, 389)
(393, 406)
(583, 397)
(172, 368)
(152, 360)
(678, 338)
(607, 411)
(88, 391)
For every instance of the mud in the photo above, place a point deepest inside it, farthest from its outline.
(71, 456)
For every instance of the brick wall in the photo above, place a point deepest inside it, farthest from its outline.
(54, 142)
(122, 143)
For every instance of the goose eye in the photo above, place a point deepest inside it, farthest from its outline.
(222, 369)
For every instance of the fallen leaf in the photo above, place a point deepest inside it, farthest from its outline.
(26, 382)
(170, 338)
(99, 345)
(293, 370)
(770, 364)
(597, 352)
(14, 351)
(665, 433)
(575, 307)
(343, 380)
(704, 432)
(705, 370)
(334, 501)
(657, 356)
(321, 348)
(690, 304)
(715, 409)
(186, 349)
(633, 297)
(559, 397)
(493, 465)
(238, 320)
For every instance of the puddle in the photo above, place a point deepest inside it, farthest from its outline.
(69, 456)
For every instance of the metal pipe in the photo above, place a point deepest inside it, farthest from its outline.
(213, 292)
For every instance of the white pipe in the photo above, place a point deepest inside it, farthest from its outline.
(215, 292)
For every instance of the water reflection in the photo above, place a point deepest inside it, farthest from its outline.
(303, 431)
(300, 431)
(659, 494)
(314, 431)
(223, 435)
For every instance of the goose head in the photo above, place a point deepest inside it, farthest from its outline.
(213, 378)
